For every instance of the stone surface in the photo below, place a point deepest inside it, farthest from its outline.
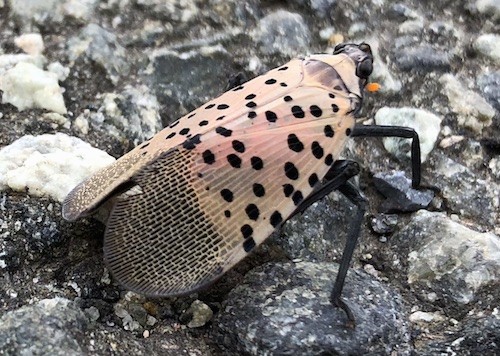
(26, 86)
(473, 111)
(284, 309)
(458, 264)
(129, 67)
(425, 123)
(400, 196)
(48, 165)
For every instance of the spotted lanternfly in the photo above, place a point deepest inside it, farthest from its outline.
(195, 199)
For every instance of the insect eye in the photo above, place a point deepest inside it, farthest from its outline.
(364, 68)
(365, 47)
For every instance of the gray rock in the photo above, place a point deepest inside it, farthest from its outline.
(319, 233)
(451, 260)
(384, 223)
(400, 196)
(282, 32)
(185, 80)
(98, 45)
(489, 83)
(478, 335)
(422, 58)
(50, 326)
(466, 193)
(284, 309)
(473, 111)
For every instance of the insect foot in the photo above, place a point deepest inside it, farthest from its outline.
(286, 307)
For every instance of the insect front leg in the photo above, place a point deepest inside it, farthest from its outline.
(395, 131)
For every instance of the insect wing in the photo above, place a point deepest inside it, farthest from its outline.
(237, 102)
(198, 211)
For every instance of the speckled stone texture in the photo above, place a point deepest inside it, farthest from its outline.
(422, 282)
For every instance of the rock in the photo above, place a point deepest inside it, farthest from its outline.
(174, 10)
(99, 45)
(31, 12)
(185, 80)
(282, 32)
(50, 326)
(284, 309)
(486, 7)
(465, 193)
(134, 112)
(473, 111)
(8, 61)
(319, 233)
(48, 165)
(400, 196)
(31, 43)
(197, 315)
(426, 124)
(26, 86)
(489, 83)
(488, 44)
(384, 223)
(421, 58)
(478, 335)
(450, 259)
(381, 72)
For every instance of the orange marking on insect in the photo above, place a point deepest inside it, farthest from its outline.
(372, 87)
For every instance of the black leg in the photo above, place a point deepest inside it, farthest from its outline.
(352, 193)
(338, 174)
(337, 179)
(395, 131)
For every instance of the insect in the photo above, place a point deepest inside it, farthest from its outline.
(195, 199)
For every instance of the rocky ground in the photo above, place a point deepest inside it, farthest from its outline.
(85, 81)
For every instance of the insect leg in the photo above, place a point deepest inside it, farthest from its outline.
(351, 192)
(338, 174)
(395, 131)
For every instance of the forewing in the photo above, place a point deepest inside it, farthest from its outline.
(197, 211)
(221, 111)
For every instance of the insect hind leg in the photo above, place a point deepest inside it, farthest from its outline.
(351, 192)
(337, 178)
(338, 174)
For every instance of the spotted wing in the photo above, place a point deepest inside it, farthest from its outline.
(197, 211)
(236, 103)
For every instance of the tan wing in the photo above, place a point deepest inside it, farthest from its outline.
(91, 193)
(196, 212)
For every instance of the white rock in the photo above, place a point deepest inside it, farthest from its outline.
(425, 123)
(8, 61)
(489, 7)
(27, 86)
(80, 9)
(57, 68)
(31, 43)
(489, 45)
(452, 258)
(472, 110)
(420, 316)
(381, 72)
(49, 165)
